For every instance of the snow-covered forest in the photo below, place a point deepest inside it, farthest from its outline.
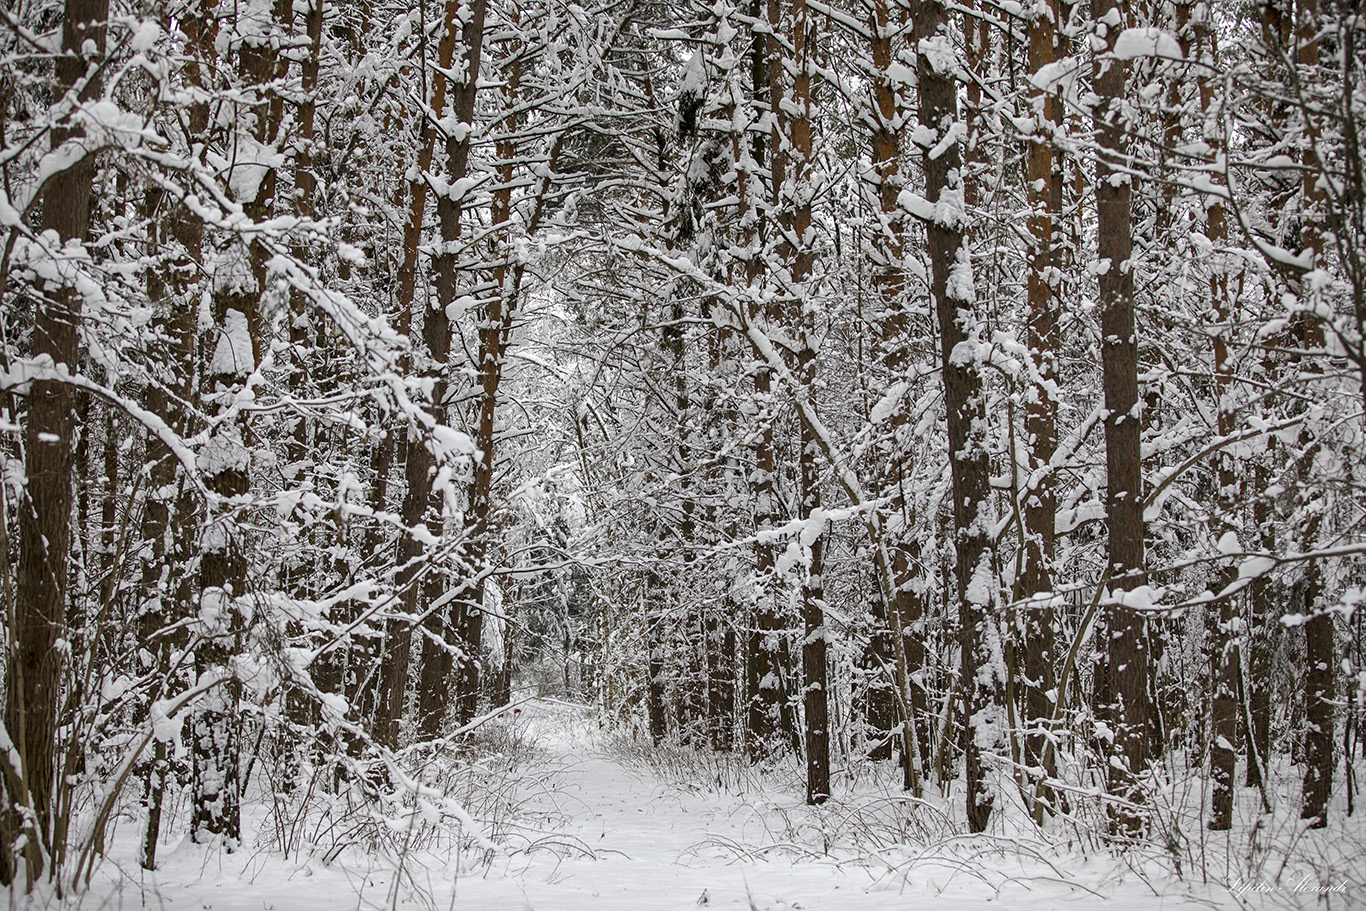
(934, 425)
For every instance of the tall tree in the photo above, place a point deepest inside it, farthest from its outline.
(892, 664)
(240, 278)
(455, 626)
(794, 185)
(463, 27)
(1320, 649)
(768, 713)
(953, 294)
(1043, 339)
(1126, 654)
(1228, 638)
(33, 672)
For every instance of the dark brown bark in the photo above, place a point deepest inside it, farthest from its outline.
(1227, 645)
(965, 406)
(455, 629)
(174, 515)
(167, 543)
(494, 330)
(653, 619)
(1276, 38)
(1321, 661)
(1043, 338)
(419, 504)
(721, 646)
(1257, 688)
(34, 668)
(1320, 657)
(721, 620)
(234, 347)
(768, 712)
(765, 667)
(1126, 657)
(792, 150)
(366, 658)
(306, 331)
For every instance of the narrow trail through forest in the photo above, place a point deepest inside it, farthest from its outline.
(656, 844)
(670, 845)
(597, 830)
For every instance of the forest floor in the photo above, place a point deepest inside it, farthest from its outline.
(599, 827)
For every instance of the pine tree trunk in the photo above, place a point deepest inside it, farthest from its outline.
(653, 619)
(722, 640)
(1043, 338)
(467, 27)
(458, 628)
(165, 541)
(1320, 652)
(305, 329)
(952, 293)
(887, 251)
(767, 709)
(1320, 660)
(1228, 638)
(174, 514)
(721, 644)
(1257, 690)
(240, 280)
(1127, 664)
(34, 668)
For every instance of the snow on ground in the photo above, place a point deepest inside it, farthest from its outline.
(604, 831)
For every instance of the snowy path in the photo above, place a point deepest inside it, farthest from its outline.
(662, 847)
(616, 838)
(659, 846)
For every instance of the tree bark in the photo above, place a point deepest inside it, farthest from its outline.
(1227, 635)
(240, 279)
(1127, 664)
(888, 114)
(797, 247)
(952, 292)
(467, 27)
(455, 630)
(494, 329)
(767, 711)
(1257, 689)
(34, 668)
(1320, 651)
(1038, 626)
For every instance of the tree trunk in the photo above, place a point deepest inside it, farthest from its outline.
(1257, 690)
(166, 546)
(240, 279)
(815, 683)
(952, 292)
(1320, 660)
(721, 645)
(34, 668)
(1320, 657)
(173, 512)
(767, 709)
(455, 630)
(653, 618)
(494, 329)
(1127, 713)
(467, 27)
(1038, 626)
(1228, 638)
(887, 251)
